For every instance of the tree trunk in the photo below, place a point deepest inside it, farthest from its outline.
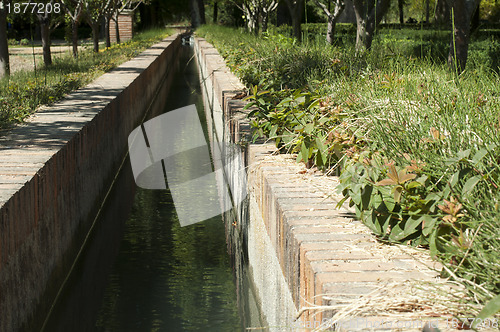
(95, 36)
(462, 11)
(442, 15)
(106, 30)
(265, 20)
(117, 28)
(368, 16)
(4, 46)
(215, 13)
(201, 7)
(427, 11)
(332, 18)
(195, 14)
(401, 12)
(330, 33)
(74, 37)
(474, 24)
(45, 32)
(296, 8)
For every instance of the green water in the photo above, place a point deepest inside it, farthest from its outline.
(167, 277)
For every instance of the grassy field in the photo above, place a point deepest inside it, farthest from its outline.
(25, 90)
(417, 147)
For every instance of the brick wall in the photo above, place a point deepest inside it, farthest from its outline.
(54, 173)
(125, 26)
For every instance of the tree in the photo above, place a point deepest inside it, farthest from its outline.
(93, 12)
(257, 12)
(268, 6)
(215, 12)
(4, 46)
(401, 4)
(296, 8)
(197, 13)
(332, 17)
(74, 11)
(369, 13)
(47, 25)
(461, 16)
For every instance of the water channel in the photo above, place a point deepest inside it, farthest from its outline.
(142, 271)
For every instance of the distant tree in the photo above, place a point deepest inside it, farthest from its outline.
(4, 45)
(267, 7)
(296, 8)
(442, 13)
(462, 12)
(427, 10)
(47, 25)
(197, 13)
(369, 13)
(74, 12)
(93, 12)
(401, 4)
(332, 17)
(215, 12)
(257, 13)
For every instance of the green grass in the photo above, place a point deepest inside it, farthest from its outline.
(24, 91)
(418, 146)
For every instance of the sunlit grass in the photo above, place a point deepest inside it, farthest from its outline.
(24, 91)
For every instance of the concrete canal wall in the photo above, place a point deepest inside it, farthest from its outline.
(302, 252)
(55, 171)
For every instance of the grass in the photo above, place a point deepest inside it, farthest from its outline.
(24, 91)
(418, 146)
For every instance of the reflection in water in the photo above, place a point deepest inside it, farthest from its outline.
(147, 273)
(167, 277)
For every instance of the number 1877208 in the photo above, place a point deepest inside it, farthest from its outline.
(33, 8)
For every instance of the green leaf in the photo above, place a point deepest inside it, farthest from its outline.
(478, 156)
(470, 184)
(355, 193)
(454, 179)
(366, 195)
(397, 193)
(309, 128)
(305, 152)
(272, 132)
(464, 154)
(299, 157)
(413, 184)
(491, 308)
(428, 224)
(389, 203)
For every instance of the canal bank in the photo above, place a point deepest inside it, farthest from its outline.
(310, 262)
(55, 171)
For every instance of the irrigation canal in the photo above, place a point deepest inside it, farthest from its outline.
(142, 271)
